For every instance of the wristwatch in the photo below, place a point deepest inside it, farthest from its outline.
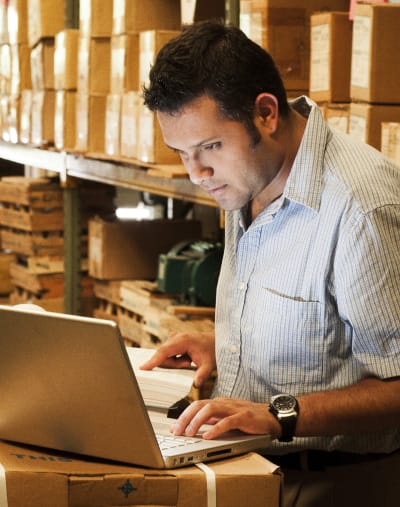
(286, 409)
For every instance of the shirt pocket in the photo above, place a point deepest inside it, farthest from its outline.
(294, 344)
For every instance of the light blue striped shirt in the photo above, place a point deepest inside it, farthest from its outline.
(309, 294)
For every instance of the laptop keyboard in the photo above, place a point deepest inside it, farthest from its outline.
(170, 441)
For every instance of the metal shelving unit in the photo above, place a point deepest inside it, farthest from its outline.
(71, 168)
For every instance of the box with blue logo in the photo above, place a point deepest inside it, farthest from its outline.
(33, 477)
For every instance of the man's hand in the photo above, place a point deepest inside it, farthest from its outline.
(183, 349)
(226, 414)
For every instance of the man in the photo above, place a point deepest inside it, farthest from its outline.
(309, 290)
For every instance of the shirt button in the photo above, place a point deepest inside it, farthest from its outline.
(242, 285)
(234, 349)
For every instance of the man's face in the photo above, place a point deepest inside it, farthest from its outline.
(219, 154)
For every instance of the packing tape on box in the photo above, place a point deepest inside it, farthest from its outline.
(3, 487)
(211, 485)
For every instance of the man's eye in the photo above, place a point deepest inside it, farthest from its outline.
(212, 146)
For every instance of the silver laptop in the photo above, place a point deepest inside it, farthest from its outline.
(66, 383)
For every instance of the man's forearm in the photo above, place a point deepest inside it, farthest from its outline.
(369, 405)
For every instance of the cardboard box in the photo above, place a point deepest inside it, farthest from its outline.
(17, 21)
(330, 67)
(337, 116)
(129, 249)
(95, 18)
(151, 147)
(113, 125)
(46, 18)
(366, 120)
(282, 27)
(42, 117)
(14, 118)
(25, 117)
(150, 43)
(65, 120)
(66, 60)
(5, 69)
(3, 22)
(42, 65)
(129, 124)
(124, 63)
(390, 144)
(41, 478)
(375, 68)
(20, 68)
(90, 122)
(94, 62)
(131, 16)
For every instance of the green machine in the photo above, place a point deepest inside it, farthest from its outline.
(190, 270)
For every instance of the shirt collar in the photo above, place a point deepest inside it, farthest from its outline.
(304, 183)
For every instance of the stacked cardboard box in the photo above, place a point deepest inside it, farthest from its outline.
(37, 477)
(282, 27)
(46, 18)
(15, 71)
(390, 141)
(129, 55)
(65, 83)
(94, 50)
(330, 66)
(375, 71)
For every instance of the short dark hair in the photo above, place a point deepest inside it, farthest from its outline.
(220, 61)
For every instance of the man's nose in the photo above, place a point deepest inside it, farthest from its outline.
(197, 170)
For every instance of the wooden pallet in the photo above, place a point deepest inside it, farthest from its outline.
(131, 327)
(20, 295)
(40, 243)
(108, 290)
(46, 264)
(31, 219)
(33, 192)
(33, 243)
(6, 259)
(105, 310)
(139, 295)
(45, 285)
(52, 304)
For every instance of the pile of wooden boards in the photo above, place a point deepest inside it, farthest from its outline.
(32, 229)
(146, 316)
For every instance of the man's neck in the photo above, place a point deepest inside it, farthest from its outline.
(290, 134)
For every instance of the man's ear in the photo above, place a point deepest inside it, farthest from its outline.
(267, 110)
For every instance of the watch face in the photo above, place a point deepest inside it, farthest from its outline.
(284, 403)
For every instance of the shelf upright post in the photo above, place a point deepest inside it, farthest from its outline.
(72, 246)
(72, 215)
(232, 12)
(71, 13)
